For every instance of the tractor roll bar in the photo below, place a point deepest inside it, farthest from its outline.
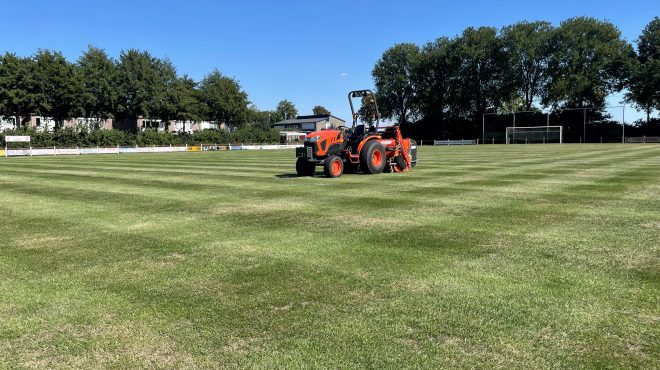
(362, 94)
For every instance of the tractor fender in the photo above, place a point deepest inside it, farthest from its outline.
(364, 141)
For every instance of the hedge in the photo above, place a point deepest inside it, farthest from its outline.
(71, 137)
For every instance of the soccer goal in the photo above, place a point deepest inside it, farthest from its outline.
(534, 135)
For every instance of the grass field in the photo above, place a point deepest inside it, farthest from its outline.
(489, 256)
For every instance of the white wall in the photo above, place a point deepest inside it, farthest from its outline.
(7, 123)
(90, 123)
(206, 125)
(45, 123)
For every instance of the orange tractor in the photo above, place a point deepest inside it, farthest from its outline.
(368, 148)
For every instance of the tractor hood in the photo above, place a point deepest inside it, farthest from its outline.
(315, 136)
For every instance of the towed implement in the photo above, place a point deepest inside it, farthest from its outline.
(365, 147)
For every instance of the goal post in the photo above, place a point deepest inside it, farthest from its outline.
(535, 135)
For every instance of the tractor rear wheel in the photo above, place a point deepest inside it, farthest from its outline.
(304, 167)
(333, 166)
(372, 157)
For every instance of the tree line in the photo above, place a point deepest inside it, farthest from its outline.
(71, 137)
(446, 85)
(443, 87)
(135, 85)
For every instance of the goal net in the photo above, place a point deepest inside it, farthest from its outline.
(534, 135)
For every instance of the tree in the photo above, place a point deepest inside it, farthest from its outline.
(393, 79)
(98, 75)
(648, 43)
(483, 80)
(181, 100)
(367, 111)
(320, 110)
(260, 117)
(59, 86)
(527, 45)
(167, 104)
(225, 101)
(434, 78)
(285, 110)
(589, 61)
(18, 87)
(644, 80)
(187, 99)
(139, 84)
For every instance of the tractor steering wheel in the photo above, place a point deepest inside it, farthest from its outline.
(346, 131)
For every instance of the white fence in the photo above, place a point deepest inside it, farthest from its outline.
(643, 139)
(29, 152)
(263, 146)
(455, 142)
(81, 151)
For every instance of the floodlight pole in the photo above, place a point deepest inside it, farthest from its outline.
(623, 135)
(483, 127)
(584, 123)
(514, 127)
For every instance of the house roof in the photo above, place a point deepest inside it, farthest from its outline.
(307, 119)
(292, 121)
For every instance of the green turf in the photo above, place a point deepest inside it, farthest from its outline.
(489, 256)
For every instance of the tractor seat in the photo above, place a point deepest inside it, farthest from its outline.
(358, 133)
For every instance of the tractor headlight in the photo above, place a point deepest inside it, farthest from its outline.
(313, 139)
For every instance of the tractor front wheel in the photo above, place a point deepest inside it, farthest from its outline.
(372, 157)
(304, 167)
(333, 166)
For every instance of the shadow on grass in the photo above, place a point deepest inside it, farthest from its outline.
(315, 175)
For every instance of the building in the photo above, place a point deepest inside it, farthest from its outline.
(291, 137)
(142, 124)
(48, 124)
(310, 123)
(90, 123)
(7, 123)
(127, 124)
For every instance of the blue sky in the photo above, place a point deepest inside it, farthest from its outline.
(305, 51)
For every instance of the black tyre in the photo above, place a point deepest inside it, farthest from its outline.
(372, 157)
(401, 162)
(304, 167)
(333, 166)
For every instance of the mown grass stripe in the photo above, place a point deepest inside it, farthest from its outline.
(489, 255)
